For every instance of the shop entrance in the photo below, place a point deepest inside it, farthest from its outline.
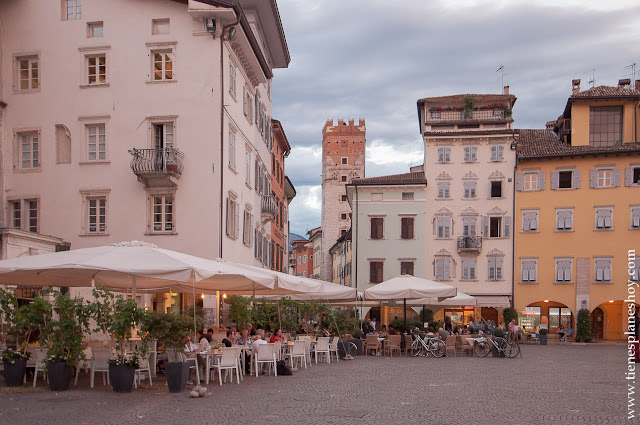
(597, 322)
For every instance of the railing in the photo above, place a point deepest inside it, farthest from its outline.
(476, 114)
(469, 243)
(269, 206)
(167, 160)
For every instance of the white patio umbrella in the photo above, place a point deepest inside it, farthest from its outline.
(460, 299)
(330, 292)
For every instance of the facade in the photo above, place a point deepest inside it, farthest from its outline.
(280, 226)
(341, 256)
(315, 240)
(577, 212)
(469, 162)
(289, 193)
(343, 160)
(302, 257)
(152, 128)
(388, 231)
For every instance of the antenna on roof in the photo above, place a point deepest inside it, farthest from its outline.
(592, 81)
(633, 74)
(501, 69)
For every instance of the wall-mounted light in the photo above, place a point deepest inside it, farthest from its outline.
(546, 301)
(202, 296)
(610, 301)
(513, 146)
(231, 32)
(210, 25)
(224, 296)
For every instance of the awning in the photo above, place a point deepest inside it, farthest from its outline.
(497, 301)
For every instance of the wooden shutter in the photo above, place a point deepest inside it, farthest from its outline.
(486, 227)
(593, 178)
(440, 154)
(567, 270)
(519, 181)
(228, 218)
(559, 271)
(494, 153)
(607, 269)
(628, 176)
(541, 180)
(447, 268)
(256, 174)
(506, 223)
(236, 233)
(576, 179)
(616, 177)
(440, 269)
(526, 221)
(492, 268)
(245, 100)
(500, 152)
(524, 272)
(467, 154)
(533, 223)
(499, 268)
(635, 217)
(554, 180)
(532, 271)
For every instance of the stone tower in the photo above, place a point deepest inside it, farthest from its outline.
(343, 153)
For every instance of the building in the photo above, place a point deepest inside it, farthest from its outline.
(343, 157)
(289, 193)
(302, 257)
(388, 231)
(469, 160)
(577, 212)
(341, 256)
(315, 239)
(280, 226)
(154, 127)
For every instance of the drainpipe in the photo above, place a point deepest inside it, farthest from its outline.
(513, 232)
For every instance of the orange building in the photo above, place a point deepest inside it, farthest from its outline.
(279, 228)
(302, 257)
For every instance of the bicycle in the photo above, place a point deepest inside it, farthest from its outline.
(350, 349)
(429, 345)
(483, 345)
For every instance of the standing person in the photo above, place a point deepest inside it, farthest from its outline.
(472, 327)
(447, 324)
(512, 330)
(373, 323)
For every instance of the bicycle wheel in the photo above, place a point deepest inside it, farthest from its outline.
(350, 348)
(438, 348)
(482, 348)
(416, 349)
(511, 349)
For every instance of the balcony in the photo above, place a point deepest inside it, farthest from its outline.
(472, 115)
(269, 208)
(469, 244)
(157, 167)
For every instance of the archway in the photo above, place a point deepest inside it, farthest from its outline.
(556, 313)
(597, 322)
(609, 319)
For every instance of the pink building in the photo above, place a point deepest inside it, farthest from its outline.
(146, 120)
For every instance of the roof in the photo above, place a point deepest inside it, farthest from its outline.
(459, 98)
(396, 179)
(601, 93)
(345, 236)
(278, 126)
(469, 132)
(545, 143)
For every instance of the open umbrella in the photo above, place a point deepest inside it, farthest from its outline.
(329, 291)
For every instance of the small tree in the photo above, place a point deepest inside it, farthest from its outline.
(239, 312)
(583, 328)
(509, 314)
(170, 330)
(426, 315)
(21, 322)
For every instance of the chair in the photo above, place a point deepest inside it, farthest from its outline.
(307, 348)
(392, 343)
(228, 361)
(88, 353)
(371, 343)
(322, 347)
(40, 355)
(408, 340)
(266, 354)
(452, 344)
(153, 356)
(464, 345)
(333, 348)
(278, 348)
(298, 351)
(100, 363)
(144, 366)
(32, 360)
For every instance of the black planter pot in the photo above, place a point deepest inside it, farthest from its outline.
(14, 372)
(177, 376)
(495, 352)
(358, 343)
(121, 377)
(59, 375)
(543, 339)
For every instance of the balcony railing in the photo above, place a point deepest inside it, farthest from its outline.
(476, 114)
(269, 207)
(469, 244)
(154, 167)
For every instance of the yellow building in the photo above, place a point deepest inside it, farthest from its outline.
(315, 237)
(341, 260)
(577, 212)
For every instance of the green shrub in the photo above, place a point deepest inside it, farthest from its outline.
(509, 314)
(583, 331)
(398, 325)
(544, 331)
(499, 332)
(239, 312)
(426, 315)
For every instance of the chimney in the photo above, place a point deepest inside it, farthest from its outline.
(624, 83)
(576, 86)
(506, 89)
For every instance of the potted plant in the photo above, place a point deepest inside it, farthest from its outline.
(62, 335)
(543, 336)
(583, 326)
(498, 333)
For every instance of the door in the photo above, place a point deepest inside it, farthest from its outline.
(597, 322)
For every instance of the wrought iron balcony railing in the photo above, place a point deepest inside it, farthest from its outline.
(269, 207)
(167, 160)
(469, 243)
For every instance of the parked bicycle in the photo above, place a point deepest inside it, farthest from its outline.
(428, 345)
(483, 345)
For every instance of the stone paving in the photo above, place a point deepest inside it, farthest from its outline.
(561, 384)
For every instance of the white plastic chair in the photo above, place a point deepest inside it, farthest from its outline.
(228, 361)
(144, 367)
(333, 347)
(100, 363)
(298, 351)
(307, 348)
(266, 354)
(40, 355)
(86, 364)
(32, 360)
(278, 349)
(322, 347)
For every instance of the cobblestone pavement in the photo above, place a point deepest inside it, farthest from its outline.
(560, 384)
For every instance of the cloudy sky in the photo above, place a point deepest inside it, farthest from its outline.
(374, 59)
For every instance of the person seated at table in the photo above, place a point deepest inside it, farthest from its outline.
(383, 331)
(228, 341)
(569, 333)
(258, 341)
(244, 338)
(471, 327)
(561, 332)
(301, 330)
(392, 330)
(277, 336)
(429, 331)
(189, 346)
(204, 342)
(251, 329)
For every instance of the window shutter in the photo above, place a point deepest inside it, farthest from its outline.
(599, 270)
(616, 177)
(576, 179)
(607, 269)
(533, 223)
(440, 154)
(599, 219)
(526, 221)
(245, 100)
(519, 181)
(467, 154)
(446, 189)
(492, 268)
(447, 268)
(541, 180)
(593, 179)
(532, 271)
(228, 218)
(628, 176)
(507, 226)
(237, 222)
(372, 272)
(486, 226)
(568, 223)
(439, 269)
(554, 180)
(525, 271)
(500, 153)
(494, 153)
(567, 270)
(635, 217)
(498, 268)
(474, 151)
(559, 272)
(607, 218)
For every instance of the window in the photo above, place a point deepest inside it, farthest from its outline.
(343, 216)
(304, 259)
(28, 73)
(569, 179)
(443, 227)
(470, 189)
(564, 219)
(232, 80)
(406, 267)
(247, 168)
(96, 142)
(407, 227)
(444, 191)
(444, 155)
(375, 271)
(530, 181)
(344, 160)
(605, 125)
(247, 233)
(304, 273)
(407, 196)
(604, 218)
(495, 268)
(343, 197)
(29, 150)
(16, 214)
(72, 9)
(377, 228)
(162, 64)
(563, 270)
(95, 29)
(497, 227)
(468, 268)
(496, 189)
(232, 150)
(96, 69)
(529, 270)
(470, 153)
(233, 213)
(635, 218)
(604, 178)
(343, 178)
(497, 153)
(30, 207)
(529, 221)
(442, 268)
(632, 176)
(565, 179)
(469, 225)
(160, 26)
(299, 260)
(602, 269)
(163, 213)
(97, 214)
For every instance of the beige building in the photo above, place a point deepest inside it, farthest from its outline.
(315, 240)
(341, 255)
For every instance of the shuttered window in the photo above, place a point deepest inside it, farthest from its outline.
(604, 219)
(529, 221)
(470, 189)
(443, 227)
(469, 225)
(444, 191)
(563, 270)
(564, 219)
(375, 271)
(442, 269)
(407, 227)
(495, 268)
(602, 269)
(377, 228)
(468, 268)
(528, 270)
(444, 154)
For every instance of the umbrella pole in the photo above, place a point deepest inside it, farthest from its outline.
(193, 286)
(404, 300)
(133, 289)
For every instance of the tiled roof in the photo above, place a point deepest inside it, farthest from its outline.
(468, 132)
(606, 91)
(545, 143)
(459, 98)
(396, 179)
